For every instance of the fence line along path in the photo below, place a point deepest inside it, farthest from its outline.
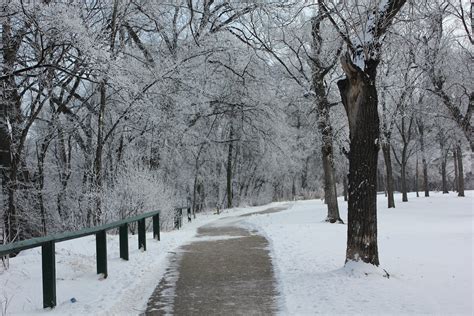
(47, 244)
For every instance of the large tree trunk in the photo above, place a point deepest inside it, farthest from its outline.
(460, 171)
(359, 96)
(388, 167)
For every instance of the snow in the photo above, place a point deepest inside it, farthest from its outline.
(425, 248)
(126, 289)
(363, 41)
(425, 245)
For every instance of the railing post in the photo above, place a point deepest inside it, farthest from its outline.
(101, 252)
(48, 260)
(141, 234)
(123, 236)
(156, 226)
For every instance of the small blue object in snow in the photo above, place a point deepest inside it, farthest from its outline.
(73, 300)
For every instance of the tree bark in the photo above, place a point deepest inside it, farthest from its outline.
(416, 178)
(97, 214)
(359, 97)
(389, 174)
(229, 167)
(456, 181)
(10, 115)
(404, 182)
(344, 186)
(327, 155)
(444, 159)
(443, 176)
(318, 72)
(65, 171)
(460, 171)
(424, 163)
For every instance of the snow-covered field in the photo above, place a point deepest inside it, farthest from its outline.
(124, 292)
(425, 245)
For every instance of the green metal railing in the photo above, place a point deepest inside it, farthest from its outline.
(47, 244)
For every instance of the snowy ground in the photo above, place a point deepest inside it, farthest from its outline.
(425, 245)
(124, 292)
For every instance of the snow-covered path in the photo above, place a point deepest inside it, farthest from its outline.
(124, 292)
(425, 245)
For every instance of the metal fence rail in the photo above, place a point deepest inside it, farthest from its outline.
(47, 244)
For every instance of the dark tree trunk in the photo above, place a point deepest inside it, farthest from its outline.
(330, 196)
(388, 168)
(97, 214)
(405, 132)
(444, 159)
(460, 172)
(424, 163)
(416, 178)
(10, 114)
(443, 176)
(304, 175)
(456, 181)
(359, 96)
(65, 171)
(229, 167)
(404, 182)
(41, 154)
(344, 185)
(293, 189)
(324, 123)
(425, 178)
